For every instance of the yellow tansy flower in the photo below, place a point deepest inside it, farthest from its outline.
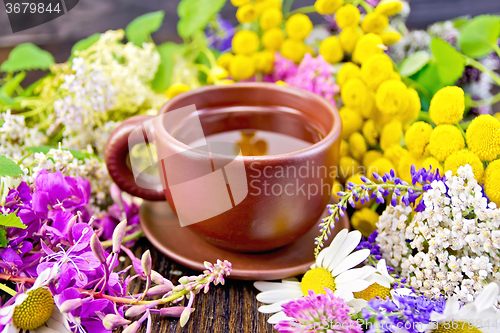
(239, 3)
(349, 38)
(271, 18)
(344, 148)
(377, 69)
(351, 121)
(371, 156)
(176, 89)
(347, 16)
(389, 7)
(298, 26)
(483, 137)
(392, 97)
(365, 220)
(417, 137)
(347, 71)
(261, 6)
(264, 61)
(331, 50)
(381, 166)
(293, 49)
(367, 46)
(394, 154)
(357, 146)
(464, 157)
(245, 42)
(246, 14)
(445, 140)
(405, 163)
(348, 167)
(390, 36)
(392, 133)
(434, 163)
(497, 115)
(370, 132)
(447, 106)
(354, 93)
(492, 182)
(224, 60)
(327, 7)
(369, 109)
(374, 22)
(273, 38)
(411, 113)
(242, 67)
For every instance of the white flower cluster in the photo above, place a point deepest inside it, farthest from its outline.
(451, 248)
(91, 169)
(15, 136)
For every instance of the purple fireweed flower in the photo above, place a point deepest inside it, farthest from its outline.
(317, 313)
(219, 33)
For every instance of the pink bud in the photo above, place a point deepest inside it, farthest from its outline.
(111, 321)
(146, 263)
(71, 305)
(116, 195)
(97, 249)
(132, 328)
(136, 310)
(118, 235)
(159, 290)
(173, 311)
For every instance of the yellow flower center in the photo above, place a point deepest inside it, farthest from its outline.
(455, 327)
(35, 310)
(316, 280)
(374, 290)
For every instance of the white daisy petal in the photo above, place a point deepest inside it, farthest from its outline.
(10, 329)
(273, 308)
(276, 318)
(381, 280)
(266, 286)
(351, 261)
(346, 295)
(273, 296)
(354, 274)
(354, 286)
(332, 249)
(487, 297)
(44, 329)
(351, 241)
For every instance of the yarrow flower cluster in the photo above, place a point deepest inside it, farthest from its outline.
(449, 247)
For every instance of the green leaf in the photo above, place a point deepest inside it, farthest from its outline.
(85, 43)
(3, 237)
(413, 63)
(27, 57)
(76, 153)
(140, 29)
(10, 86)
(479, 35)
(12, 220)
(195, 14)
(9, 168)
(428, 78)
(164, 73)
(450, 63)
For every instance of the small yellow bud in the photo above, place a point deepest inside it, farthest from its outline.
(242, 67)
(271, 18)
(331, 50)
(264, 61)
(176, 89)
(327, 7)
(293, 50)
(245, 42)
(273, 38)
(246, 14)
(298, 26)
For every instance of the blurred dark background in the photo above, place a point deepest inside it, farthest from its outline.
(91, 16)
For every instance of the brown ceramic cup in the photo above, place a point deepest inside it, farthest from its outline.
(262, 220)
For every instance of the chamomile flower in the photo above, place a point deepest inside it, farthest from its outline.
(333, 269)
(34, 311)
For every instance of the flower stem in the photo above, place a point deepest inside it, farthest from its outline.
(482, 68)
(135, 235)
(287, 6)
(8, 290)
(493, 100)
(302, 10)
(14, 278)
(496, 48)
(423, 115)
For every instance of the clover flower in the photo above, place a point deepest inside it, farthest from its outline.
(317, 312)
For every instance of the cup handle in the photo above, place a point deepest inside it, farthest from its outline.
(115, 156)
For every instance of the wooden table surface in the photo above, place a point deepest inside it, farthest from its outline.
(229, 308)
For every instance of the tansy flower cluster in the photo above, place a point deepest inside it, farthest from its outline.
(448, 147)
(361, 36)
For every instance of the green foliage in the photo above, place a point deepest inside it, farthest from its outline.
(85, 43)
(12, 220)
(8, 90)
(9, 168)
(195, 14)
(479, 36)
(140, 29)
(450, 63)
(164, 74)
(413, 63)
(27, 57)
(3, 237)
(76, 153)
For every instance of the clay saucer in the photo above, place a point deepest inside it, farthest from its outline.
(161, 227)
